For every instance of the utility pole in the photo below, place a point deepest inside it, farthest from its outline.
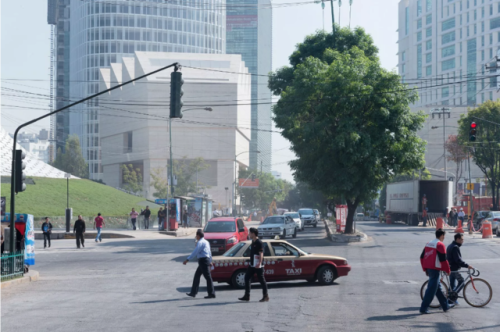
(261, 162)
(443, 111)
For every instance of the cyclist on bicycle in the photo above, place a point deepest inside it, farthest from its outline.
(433, 260)
(456, 262)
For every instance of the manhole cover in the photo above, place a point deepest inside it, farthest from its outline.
(400, 282)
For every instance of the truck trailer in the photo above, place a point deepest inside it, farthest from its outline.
(404, 199)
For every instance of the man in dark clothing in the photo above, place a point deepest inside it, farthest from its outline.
(79, 229)
(255, 266)
(47, 230)
(147, 213)
(455, 260)
(161, 217)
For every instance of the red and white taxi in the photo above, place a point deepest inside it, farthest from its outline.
(282, 262)
(224, 232)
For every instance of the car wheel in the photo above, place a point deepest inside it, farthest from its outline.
(311, 280)
(498, 231)
(295, 233)
(326, 275)
(238, 279)
(284, 234)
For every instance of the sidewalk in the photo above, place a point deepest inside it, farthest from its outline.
(32, 275)
(153, 233)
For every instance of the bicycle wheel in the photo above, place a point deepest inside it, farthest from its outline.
(477, 292)
(435, 302)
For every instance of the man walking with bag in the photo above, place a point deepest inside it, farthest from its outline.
(79, 229)
(47, 230)
(433, 260)
(255, 266)
(204, 255)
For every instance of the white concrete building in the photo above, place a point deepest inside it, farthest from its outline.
(38, 148)
(444, 47)
(134, 119)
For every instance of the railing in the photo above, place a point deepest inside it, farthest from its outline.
(12, 265)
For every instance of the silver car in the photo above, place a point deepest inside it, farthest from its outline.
(494, 219)
(278, 226)
(296, 217)
(308, 217)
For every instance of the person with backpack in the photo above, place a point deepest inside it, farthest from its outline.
(79, 229)
(47, 230)
(433, 260)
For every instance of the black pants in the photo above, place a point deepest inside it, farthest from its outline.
(46, 237)
(146, 223)
(80, 238)
(203, 268)
(134, 220)
(248, 277)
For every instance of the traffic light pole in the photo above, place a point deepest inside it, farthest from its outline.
(13, 171)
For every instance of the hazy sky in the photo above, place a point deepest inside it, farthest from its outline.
(25, 50)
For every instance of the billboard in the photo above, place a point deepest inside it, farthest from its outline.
(248, 183)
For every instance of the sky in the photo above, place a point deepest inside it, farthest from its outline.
(25, 51)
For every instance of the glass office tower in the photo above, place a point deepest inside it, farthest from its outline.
(102, 32)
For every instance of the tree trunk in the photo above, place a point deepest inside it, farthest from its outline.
(351, 211)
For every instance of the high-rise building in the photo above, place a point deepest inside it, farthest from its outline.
(249, 33)
(102, 31)
(446, 50)
(58, 17)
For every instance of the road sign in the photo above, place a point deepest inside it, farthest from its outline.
(470, 186)
(248, 183)
(160, 201)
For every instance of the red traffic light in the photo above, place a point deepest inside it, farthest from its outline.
(473, 125)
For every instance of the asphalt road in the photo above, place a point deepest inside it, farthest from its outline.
(140, 285)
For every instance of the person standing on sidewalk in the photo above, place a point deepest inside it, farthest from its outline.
(98, 224)
(79, 229)
(161, 217)
(47, 230)
(433, 261)
(255, 266)
(461, 215)
(147, 213)
(455, 260)
(424, 217)
(204, 255)
(452, 217)
(133, 218)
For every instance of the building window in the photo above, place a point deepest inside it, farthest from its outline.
(491, 95)
(428, 70)
(428, 57)
(482, 26)
(445, 92)
(428, 19)
(482, 55)
(428, 45)
(407, 24)
(448, 37)
(428, 32)
(448, 24)
(419, 36)
(448, 64)
(403, 56)
(447, 51)
(419, 23)
(495, 23)
(419, 60)
(419, 7)
(428, 5)
(482, 41)
(403, 68)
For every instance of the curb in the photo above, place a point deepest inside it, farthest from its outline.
(340, 238)
(177, 234)
(87, 235)
(28, 277)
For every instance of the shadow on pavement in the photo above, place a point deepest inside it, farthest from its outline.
(393, 317)
(209, 304)
(256, 286)
(160, 301)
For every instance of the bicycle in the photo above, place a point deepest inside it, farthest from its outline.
(476, 292)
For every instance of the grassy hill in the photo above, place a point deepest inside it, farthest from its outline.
(47, 197)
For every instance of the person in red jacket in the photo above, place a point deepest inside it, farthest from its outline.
(433, 260)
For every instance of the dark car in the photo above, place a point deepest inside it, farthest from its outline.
(480, 216)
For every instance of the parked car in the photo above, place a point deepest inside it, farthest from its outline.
(277, 225)
(494, 220)
(282, 262)
(317, 214)
(480, 216)
(308, 217)
(224, 232)
(360, 216)
(296, 217)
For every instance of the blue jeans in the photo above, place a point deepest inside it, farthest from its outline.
(434, 289)
(454, 277)
(98, 237)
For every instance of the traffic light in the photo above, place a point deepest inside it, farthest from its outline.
(176, 93)
(20, 166)
(253, 177)
(472, 132)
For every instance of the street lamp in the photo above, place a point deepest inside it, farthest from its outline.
(236, 178)
(226, 197)
(68, 210)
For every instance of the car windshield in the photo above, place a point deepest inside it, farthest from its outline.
(274, 220)
(306, 211)
(220, 227)
(234, 250)
(293, 215)
(495, 214)
(484, 214)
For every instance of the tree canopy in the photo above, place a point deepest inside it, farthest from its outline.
(348, 119)
(71, 161)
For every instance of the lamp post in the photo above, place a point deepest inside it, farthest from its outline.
(68, 210)
(226, 197)
(236, 178)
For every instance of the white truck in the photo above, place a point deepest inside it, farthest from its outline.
(404, 199)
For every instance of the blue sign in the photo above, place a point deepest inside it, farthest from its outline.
(29, 241)
(160, 201)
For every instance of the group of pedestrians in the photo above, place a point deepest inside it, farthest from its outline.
(79, 229)
(204, 255)
(436, 258)
(145, 213)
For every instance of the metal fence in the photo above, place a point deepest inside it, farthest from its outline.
(12, 265)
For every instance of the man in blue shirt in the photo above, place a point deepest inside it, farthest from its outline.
(204, 255)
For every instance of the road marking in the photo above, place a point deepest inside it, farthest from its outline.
(400, 282)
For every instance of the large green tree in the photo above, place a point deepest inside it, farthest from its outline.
(71, 161)
(485, 150)
(348, 119)
(132, 178)
(302, 196)
(269, 188)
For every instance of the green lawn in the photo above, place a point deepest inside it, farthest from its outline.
(47, 197)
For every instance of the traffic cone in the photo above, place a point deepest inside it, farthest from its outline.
(439, 223)
(487, 231)
(459, 228)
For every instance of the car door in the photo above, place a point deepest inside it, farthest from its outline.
(290, 225)
(287, 263)
(242, 235)
(268, 262)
